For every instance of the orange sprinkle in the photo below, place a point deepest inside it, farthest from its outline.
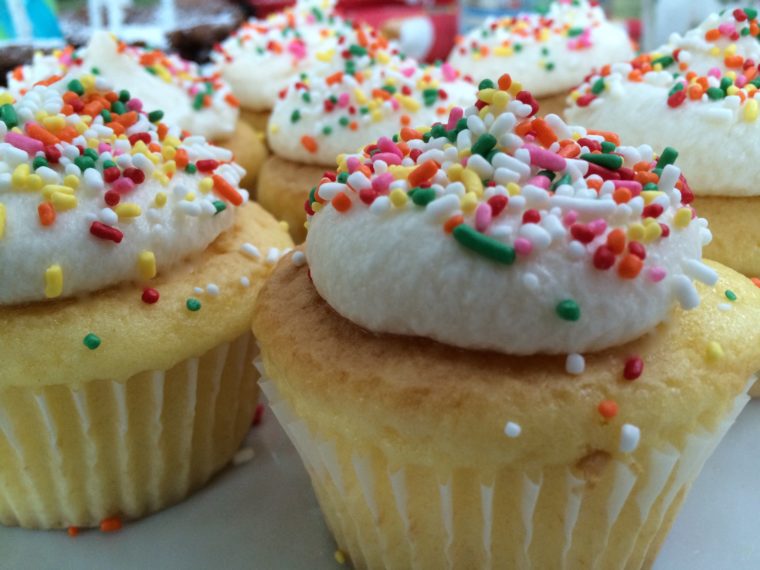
(154, 147)
(403, 147)
(568, 148)
(452, 222)
(336, 77)
(695, 92)
(505, 82)
(546, 136)
(381, 94)
(641, 166)
(608, 409)
(48, 80)
(111, 524)
(755, 281)
(423, 173)
(163, 130)
(405, 120)
(630, 266)
(353, 126)
(92, 109)
(616, 241)
(733, 61)
(231, 100)
(608, 136)
(226, 191)
(69, 97)
(46, 213)
(522, 129)
(635, 75)
(754, 29)
(68, 133)
(309, 143)
(712, 35)
(341, 202)
(18, 74)
(41, 134)
(622, 195)
(72, 531)
(408, 134)
(595, 183)
(646, 177)
(118, 128)
(127, 119)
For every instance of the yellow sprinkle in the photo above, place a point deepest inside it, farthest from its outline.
(160, 199)
(316, 206)
(2, 220)
(326, 55)
(62, 201)
(732, 90)
(6, 98)
(206, 185)
(93, 142)
(730, 50)
(399, 198)
(54, 122)
(650, 195)
(127, 210)
(515, 88)
(81, 127)
(455, 172)
(163, 74)
(376, 115)
(146, 265)
(400, 172)
(410, 104)
(170, 167)
(161, 177)
(88, 82)
(360, 97)
(469, 202)
(19, 176)
(503, 51)
(190, 196)
(682, 218)
(750, 110)
(34, 182)
(274, 129)
(472, 182)
(168, 152)
(714, 351)
(53, 281)
(340, 558)
(72, 181)
(513, 188)
(40, 115)
(501, 99)
(383, 57)
(575, 95)
(636, 232)
(486, 94)
(49, 189)
(172, 141)
(715, 51)
(652, 232)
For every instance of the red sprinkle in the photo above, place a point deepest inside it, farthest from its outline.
(207, 165)
(608, 409)
(258, 415)
(637, 249)
(531, 217)
(150, 295)
(112, 197)
(582, 233)
(604, 257)
(111, 524)
(135, 174)
(72, 531)
(633, 368)
(497, 203)
(677, 98)
(111, 174)
(367, 195)
(652, 211)
(103, 231)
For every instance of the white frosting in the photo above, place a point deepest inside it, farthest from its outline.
(264, 56)
(186, 224)
(700, 129)
(538, 51)
(168, 90)
(373, 116)
(392, 265)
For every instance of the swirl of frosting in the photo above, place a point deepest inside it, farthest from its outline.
(200, 104)
(699, 88)
(264, 56)
(503, 230)
(549, 53)
(339, 107)
(95, 191)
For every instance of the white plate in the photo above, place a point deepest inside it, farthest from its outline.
(263, 515)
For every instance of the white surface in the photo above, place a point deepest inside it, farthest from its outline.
(263, 515)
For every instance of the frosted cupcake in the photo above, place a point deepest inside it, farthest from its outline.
(699, 93)
(548, 53)
(129, 263)
(201, 104)
(501, 358)
(264, 56)
(340, 107)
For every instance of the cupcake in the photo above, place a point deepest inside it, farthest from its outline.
(503, 360)
(129, 263)
(342, 106)
(264, 56)
(201, 104)
(697, 93)
(548, 53)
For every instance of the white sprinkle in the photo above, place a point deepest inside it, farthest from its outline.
(685, 292)
(244, 455)
(212, 289)
(108, 216)
(530, 280)
(538, 236)
(357, 181)
(190, 208)
(512, 430)
(273, 255)
(576, 250)
(198, 290)
(381, 205)
(575, 364)
(629, 438)
(668, 178)
(701, 272)
(329, 190)
(245, 282)
(724, 306)
(299, 259)
(442, 207)
(250, 250)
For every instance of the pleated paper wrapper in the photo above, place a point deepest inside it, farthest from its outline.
(386, 515)
(73, 456)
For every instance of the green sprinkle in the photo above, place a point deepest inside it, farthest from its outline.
(357, 50)
(312, 196)
(390, 89)
(92, 153)
(219, 206)
(155, 116)
(191, 169)
(730, 295)
(438, 131)
(484, 245)
(193, 304)
(566, 179)
(295, 116)
(152, 70)
(84, 162)
(598, 86)
(744, 32)
(676, 88)
(668, 156)
(306, 97)
(751, 13)
(650, 186)
(549, 66)
(95, 71)
(664, 61)
(725, 83)
(118, 107)
(198, 101)
(326, 130)
(568, 310)
(108, 164)
(342, 177)
(715, 93)
(484, 144)
(76, 86)
(39, 162)
(573, 32)
(91, 341)
(124, 96)
(551, 175)
(611, 161)
(344, 121)
(422, 196)
(608, 147)
(486, 84)
(106, 114)
(518, 48)
(8, 115)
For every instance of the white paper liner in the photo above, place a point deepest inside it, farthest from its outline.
(75, 456)
(669, 475)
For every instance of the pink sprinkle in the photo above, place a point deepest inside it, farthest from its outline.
(23, 142)
(352, 163)
(656, 274)
(123, 185)
(343, 100)
(597, 226)
(715, 72)
(103, 147)
(540, 181)
(297, 49)
(395, 104)
(381, 182)
(741, 81)
(483, 216)
(727, 29)
(387, 157)
(135, 105)
(454, 116)
(570, 218)
(449, 73)
(546, 159)
(387, 145)
(408, 72)
(523, 246)
(632, 185)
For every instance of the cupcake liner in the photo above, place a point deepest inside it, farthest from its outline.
(75, 455)
(385, 515)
